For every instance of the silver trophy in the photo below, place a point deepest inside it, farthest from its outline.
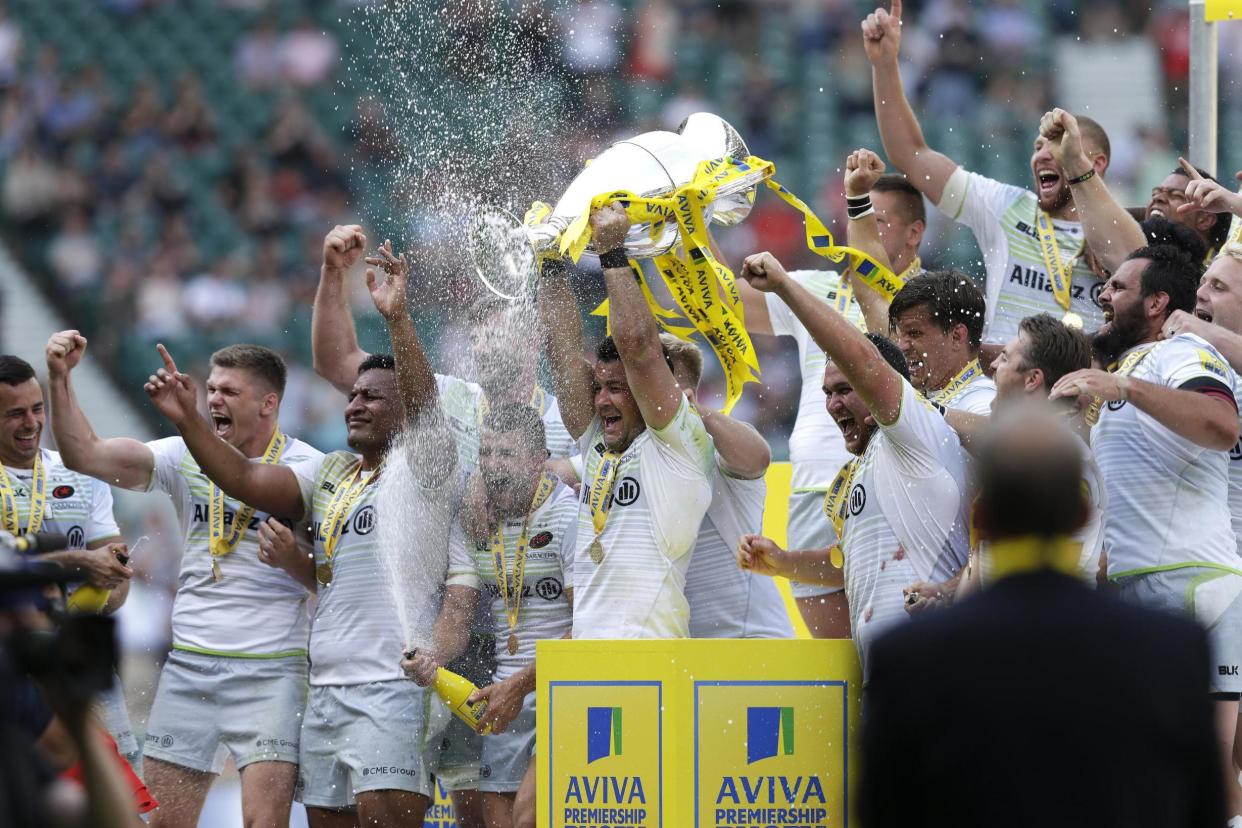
(651, 165)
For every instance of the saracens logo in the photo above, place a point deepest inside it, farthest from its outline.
(858, 499)
(627, 491)
(61, 492)
(364, 521)
(541, 540)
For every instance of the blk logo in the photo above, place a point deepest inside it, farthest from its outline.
(603, 733)
(858, 499)
(1226, 670)
(627, 491)
(364, 521)
(769, 732)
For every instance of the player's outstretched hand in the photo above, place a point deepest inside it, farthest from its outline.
(862, 169)
(172, 392)
(64, 351)
(882, 34)
(388, 293)
(343, 246)
(763, 272)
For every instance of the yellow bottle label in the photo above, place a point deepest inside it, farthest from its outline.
(88, 599)
(456, 690)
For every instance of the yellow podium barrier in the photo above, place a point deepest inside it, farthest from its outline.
(696, 733)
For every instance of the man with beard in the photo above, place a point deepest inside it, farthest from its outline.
(229, 683)
(366, 729)
(647, 457)
(1111, 231)
(900, 506)
(523, 575)
(1032, 242)
(1217, 318)
(1165, 419)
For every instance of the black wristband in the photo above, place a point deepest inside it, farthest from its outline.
(614, 258)
(857, 206)
(1078, 179)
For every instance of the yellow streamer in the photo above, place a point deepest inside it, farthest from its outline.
(704, 289)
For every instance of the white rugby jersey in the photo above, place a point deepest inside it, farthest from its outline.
(1235, 476)
(254, 610)
(463, 404)
(1168, 498)
(544, 613)
(908, 516)
(727, 601)
(974, 397)
(75, 505)
(356, 635)
(816, 447)
(1003, 218)
(659, 497)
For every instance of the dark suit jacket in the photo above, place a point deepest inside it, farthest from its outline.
(1041, 703)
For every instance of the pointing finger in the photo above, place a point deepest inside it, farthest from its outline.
(1189, 169)
(896, 10)
(167, 357)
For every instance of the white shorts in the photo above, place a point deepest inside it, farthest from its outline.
(809, 528)
(115, 717)
(209, 707)
(507, 755)
(1212, 597)
(367, 737)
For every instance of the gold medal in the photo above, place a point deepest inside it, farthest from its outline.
(1092, 414)
(596, 550)
(323, 574)
(513, 644)
(1072, 320)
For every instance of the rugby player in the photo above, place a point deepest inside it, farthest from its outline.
(1028, 238)
(726, 601)
(374, 764)
(228, 686)
(38, 493)
(901, 504)
(1167, 417)
(647, 456)
(523, 575)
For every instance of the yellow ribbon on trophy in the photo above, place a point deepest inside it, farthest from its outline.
(704, 289)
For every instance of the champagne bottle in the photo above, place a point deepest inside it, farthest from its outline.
(455, 690)
(92, 599)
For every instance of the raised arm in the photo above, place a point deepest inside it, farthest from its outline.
(1205, 419)
(874, 379)
(899, 129)
(334, 342)
(969, 427)
(271, 488)
(118, 461)
(634, 329)
(416, 382)
(1110, 231)
(862, 169)
(1222, 339)
(561, 325)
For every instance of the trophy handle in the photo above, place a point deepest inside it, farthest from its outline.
(502, 250)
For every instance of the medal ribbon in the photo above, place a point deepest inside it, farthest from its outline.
(511, 583)
(538, 401)
(1013, 556)
(964, 377)
(38, 499)
(1057, 271)
(836, 500)
(704, 289)
(221, 544)
(600, 497)
(1127, 366)
(342, 503)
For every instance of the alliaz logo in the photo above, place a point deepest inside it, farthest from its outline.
(627, 491)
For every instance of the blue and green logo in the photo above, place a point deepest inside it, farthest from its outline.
(603, 732)
(769, 732)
